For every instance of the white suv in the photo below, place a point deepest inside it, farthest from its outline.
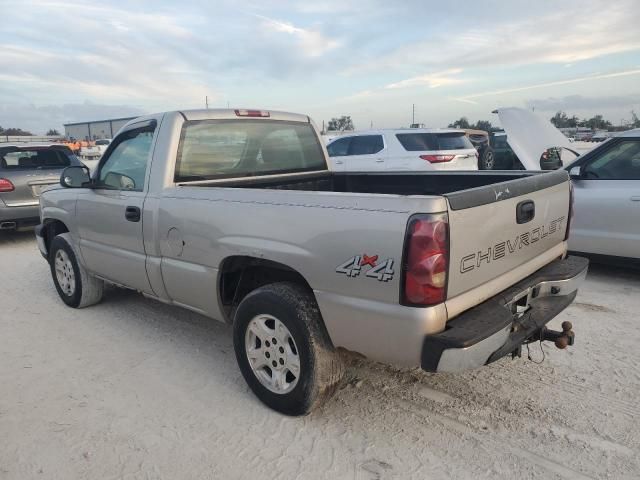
(411, 149)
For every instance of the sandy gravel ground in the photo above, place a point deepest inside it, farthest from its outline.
(134, 389)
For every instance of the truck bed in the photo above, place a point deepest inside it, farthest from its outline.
(390, 183)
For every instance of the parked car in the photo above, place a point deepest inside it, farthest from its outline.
(414, 149)
(495, 153)
(26, 169)
(234, 214)
(599, 137)
(606, 183)
(95, 151)
(531, 141)
(480, 141)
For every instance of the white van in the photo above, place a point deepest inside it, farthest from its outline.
(411, 149)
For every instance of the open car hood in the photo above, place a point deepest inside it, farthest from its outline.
(530, 135)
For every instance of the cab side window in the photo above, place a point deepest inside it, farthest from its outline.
(620, 162)
(126, 166)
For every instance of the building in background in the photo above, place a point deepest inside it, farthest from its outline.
(95, 129)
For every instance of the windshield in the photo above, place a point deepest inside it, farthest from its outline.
(214, 149)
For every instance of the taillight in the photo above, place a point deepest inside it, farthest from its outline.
(6, 185)
(426, 260)
(252, 113)
(437, 158)
(566, 235)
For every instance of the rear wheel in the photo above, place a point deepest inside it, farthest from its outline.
(75, 286)
(283, 349)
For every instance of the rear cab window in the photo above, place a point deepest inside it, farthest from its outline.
(218, 149)
(420, 141)
(37, 158)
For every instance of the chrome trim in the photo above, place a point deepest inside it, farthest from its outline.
(459, 359)
(564, 287)
(29, 203)
(475, 356)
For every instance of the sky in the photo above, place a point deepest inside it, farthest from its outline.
(66, 61)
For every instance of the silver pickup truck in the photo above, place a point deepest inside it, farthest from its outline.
(234, 214)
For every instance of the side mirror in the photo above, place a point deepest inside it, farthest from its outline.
(575, 173)
(75, 177)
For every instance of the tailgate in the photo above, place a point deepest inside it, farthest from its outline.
(497, 228)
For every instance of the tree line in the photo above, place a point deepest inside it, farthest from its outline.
(18, 132)
(597, 122)
(560, 120)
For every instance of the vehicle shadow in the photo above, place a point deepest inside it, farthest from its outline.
(15, 237)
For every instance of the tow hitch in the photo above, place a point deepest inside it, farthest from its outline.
(561, 339)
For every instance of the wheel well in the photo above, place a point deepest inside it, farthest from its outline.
(52, 228)
(240, 275)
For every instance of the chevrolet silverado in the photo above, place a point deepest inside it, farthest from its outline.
(235, 215)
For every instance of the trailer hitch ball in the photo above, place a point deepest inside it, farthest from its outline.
(561, 339)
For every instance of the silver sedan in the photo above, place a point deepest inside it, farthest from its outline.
(25, 170)
(606, 184)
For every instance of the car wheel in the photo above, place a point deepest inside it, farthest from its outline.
(283, 349)
(75, 286)
(487, 160)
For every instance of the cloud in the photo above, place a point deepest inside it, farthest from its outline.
(599, 76)
(557, 35)
(108, 53)
(430, 80)
(38, 119)
(312, 42)
(572, 103)
(307, 57)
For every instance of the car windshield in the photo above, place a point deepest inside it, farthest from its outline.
(25, 159)
(238, 148)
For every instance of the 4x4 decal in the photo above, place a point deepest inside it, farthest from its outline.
(382, 272)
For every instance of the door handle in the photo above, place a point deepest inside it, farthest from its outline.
(338, 162)
(379, 160)
(525, 211)
(635, 199)
(132, 214)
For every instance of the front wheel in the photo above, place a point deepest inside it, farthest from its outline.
(75, 286)
(283, 349)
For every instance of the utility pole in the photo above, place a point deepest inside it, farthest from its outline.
(206, 101)
(413, 114)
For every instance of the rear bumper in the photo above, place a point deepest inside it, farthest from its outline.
(492, 330)
(26, 216)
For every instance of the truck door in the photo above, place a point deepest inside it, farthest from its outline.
(110, 214)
